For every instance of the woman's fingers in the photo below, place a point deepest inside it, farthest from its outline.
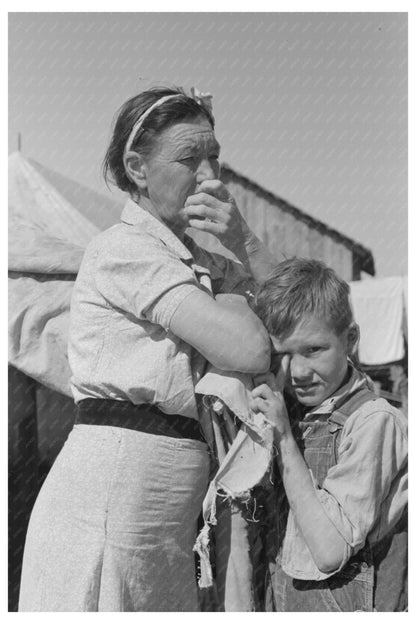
(207, 226)
(206, 213)
(204, 206)
(202, 198)
(216, 188)
(201, 210)
(225, 222)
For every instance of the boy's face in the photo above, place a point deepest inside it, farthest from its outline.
(316, 359)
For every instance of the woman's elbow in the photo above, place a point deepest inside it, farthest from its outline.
(330, 561)
(261, 350)
(247, 355)
(258, 360)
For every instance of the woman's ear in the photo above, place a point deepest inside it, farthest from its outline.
(353, 339)
(136, 169)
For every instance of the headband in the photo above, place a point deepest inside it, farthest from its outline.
(141, 119)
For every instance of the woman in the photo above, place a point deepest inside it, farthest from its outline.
(114, 524)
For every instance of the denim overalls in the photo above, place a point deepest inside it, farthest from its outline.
(353, 588)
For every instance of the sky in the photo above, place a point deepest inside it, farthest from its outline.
(312, 106)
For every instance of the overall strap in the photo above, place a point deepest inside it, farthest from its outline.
(354, 402)
(341, 413)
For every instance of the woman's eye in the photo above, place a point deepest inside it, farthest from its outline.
(313, 350)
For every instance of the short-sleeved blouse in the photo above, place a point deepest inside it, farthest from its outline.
(132, 279)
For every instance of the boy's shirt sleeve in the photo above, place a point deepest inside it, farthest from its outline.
(364, 494)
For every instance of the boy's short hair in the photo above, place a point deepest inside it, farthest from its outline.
(300, 287)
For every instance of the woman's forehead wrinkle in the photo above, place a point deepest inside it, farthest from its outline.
(192, 138)
(183, 140)
(202, 140)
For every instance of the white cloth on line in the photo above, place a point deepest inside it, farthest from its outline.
(379, 310)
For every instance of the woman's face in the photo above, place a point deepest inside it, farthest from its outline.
(184, 155)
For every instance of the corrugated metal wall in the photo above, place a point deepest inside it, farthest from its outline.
(283, 233)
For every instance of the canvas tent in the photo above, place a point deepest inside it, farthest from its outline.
(49, 226)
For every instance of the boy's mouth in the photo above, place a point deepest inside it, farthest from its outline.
(305, 387)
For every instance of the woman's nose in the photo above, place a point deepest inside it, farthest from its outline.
(207, 170)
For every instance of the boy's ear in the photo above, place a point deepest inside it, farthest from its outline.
(136, 169)
(353, 339)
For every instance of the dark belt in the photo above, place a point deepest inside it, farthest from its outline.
(145, 418)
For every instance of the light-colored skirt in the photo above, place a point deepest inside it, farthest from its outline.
(114, 524)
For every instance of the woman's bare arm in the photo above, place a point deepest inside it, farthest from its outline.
(225, 331)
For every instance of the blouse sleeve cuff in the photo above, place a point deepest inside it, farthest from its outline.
(163, 310)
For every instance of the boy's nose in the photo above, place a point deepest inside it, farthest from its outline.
(300, 370)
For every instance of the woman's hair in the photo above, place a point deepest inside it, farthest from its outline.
(173, 110)
(298, 288)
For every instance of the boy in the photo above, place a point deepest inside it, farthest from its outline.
(341, 453)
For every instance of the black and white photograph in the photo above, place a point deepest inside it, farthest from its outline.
(208, 310)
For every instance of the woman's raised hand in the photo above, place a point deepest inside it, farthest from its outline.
(212, 209)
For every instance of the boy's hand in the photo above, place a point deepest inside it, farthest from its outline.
(271, 404)
(266, 378)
